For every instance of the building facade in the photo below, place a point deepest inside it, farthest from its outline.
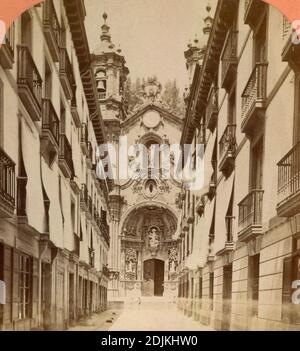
(240, 232)
(143, 257)
(54, 218)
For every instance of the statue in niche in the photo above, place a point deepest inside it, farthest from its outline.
(153, 237)
(131, 231)
(173, 260)
(131, 262)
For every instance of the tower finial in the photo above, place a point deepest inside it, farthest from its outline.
(208, 20)
(105, 35)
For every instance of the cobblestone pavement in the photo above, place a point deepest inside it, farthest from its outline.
(155, 315)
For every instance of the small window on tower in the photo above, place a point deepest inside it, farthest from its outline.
(101, 84)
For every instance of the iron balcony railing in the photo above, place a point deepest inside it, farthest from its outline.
(50, 20)
(227, 142)
(65, 151)
(289, 174)
(28, 73)
(84, 195)
(250, 209)
(50, 120)
(256, 88)
(7, 178)
(101, 96)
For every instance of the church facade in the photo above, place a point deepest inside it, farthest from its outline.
(143, 256)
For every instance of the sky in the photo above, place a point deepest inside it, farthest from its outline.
(153, 34)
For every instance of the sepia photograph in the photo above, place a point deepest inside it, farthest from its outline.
(150, 168)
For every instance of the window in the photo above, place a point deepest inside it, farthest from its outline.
(63, 37)
(73, 217)
(62, 118)
(297, 109)
(232, 107)
(48, 81)
(256, 180)
(26, 30)
(253, 282)
(25, 286)
(200, 288)
(260, 43)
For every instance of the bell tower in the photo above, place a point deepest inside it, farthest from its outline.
(196, 50)
(111, 73)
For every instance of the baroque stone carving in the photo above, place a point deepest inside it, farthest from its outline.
(131, 263)
(173, 260)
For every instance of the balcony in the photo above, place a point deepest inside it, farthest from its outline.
(74, 109)
(7, 49)
(250, 216)
(252, 9)
(51, 29)
(50, 128)
(291, 51)
(84, 198)
(65, 161)
(254, 98)
(289, 183)
(227, 148)
(105, 271)
(89, 157)
(66, 73)
(84, 138)
(7, 184)
(229, 60)
(29, 83)
(102, 96)
(200, 205)
(212, 109)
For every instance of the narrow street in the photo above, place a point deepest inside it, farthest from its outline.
(153, 314)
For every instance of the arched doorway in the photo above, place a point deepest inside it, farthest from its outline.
(149, 252)
(153, 277)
